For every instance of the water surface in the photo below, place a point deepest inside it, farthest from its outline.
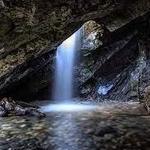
(122, 126)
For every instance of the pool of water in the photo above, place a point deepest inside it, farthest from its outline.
(78, 126)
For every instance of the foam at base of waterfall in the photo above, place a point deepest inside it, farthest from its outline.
(67, 107)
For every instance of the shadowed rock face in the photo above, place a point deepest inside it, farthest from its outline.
(30, 32)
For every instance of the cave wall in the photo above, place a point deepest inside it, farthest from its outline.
(120, 63)
(31, 30)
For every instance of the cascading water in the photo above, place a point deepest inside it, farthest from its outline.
(64, 74)
(67, 56)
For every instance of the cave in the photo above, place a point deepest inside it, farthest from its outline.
(74, 74)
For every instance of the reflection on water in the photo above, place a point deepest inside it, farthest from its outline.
(67, 134)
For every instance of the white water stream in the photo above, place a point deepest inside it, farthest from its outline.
(64, 74)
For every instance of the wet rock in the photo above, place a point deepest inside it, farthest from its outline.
(2, 112)
(10, 107)
(106, 130)
(146, 100)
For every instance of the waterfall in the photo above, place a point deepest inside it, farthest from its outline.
(65, 61)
